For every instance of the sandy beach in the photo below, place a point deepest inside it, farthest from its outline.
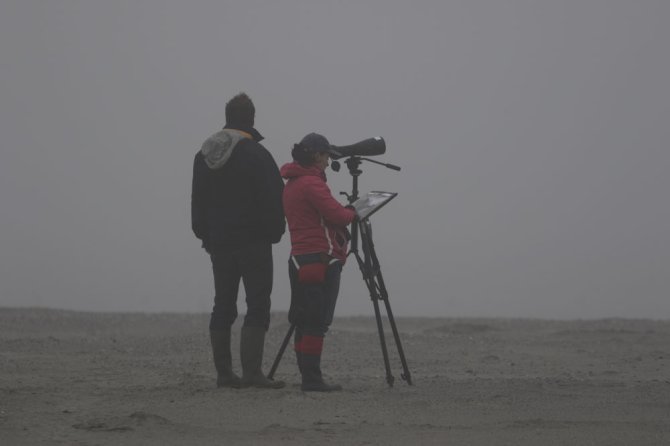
(72, 378)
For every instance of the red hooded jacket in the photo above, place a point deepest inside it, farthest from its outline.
(317, 222)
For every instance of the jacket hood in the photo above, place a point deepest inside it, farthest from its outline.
(294, 170)
(218, 147)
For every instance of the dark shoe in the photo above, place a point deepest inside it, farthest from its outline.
(251, 353)
(220, 340)
(232, 381)
(310, 368)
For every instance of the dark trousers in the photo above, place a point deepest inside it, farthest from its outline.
(253, 265)
(313, 305)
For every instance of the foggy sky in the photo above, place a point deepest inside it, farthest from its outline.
(532, 135)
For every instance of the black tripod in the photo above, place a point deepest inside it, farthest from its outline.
(372, 275)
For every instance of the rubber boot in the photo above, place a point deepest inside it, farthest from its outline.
(251, 353)
(310, 362)
(220, 340)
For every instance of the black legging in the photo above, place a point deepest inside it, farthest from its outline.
(313, 305)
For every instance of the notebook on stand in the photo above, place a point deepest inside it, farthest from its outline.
(371, 203)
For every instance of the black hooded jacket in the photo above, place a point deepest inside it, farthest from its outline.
(236, 198)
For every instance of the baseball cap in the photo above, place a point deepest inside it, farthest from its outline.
(313, 142)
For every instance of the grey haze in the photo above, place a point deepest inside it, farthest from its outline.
(532, 135)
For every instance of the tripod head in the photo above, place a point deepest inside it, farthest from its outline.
(353, 164)
(355, 154)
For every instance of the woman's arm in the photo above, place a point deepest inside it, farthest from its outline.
(318, 195)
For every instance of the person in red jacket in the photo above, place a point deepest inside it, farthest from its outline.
(317, 223)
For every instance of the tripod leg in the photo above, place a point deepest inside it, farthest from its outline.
(405, 375)
(377, 283)
(287, 338)
(389, 376)
(369, 267)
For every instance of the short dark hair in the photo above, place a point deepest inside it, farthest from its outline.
(240, 112)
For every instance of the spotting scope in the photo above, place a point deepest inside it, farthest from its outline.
(367, 147)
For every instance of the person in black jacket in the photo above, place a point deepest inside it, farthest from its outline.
(236, 211)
